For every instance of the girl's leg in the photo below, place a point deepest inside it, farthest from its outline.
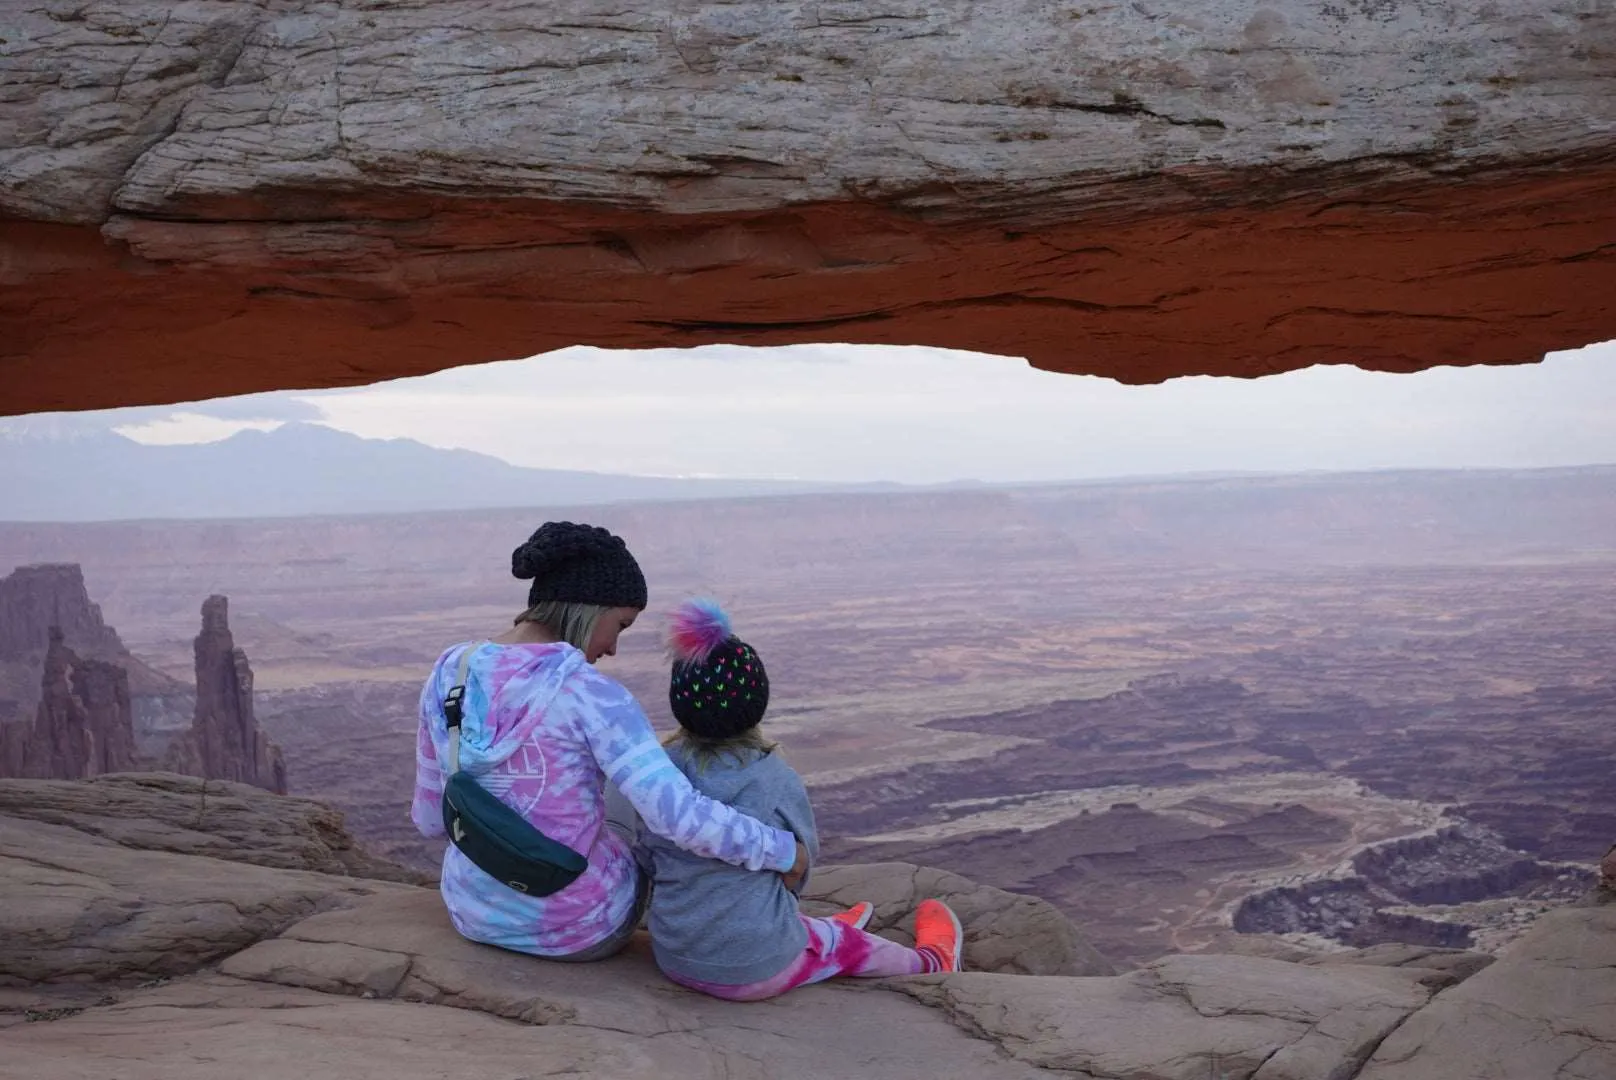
(833, 948)
(865, 955)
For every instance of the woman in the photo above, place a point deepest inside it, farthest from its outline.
(544, 731)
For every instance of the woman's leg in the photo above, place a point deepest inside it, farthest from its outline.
(833, 948)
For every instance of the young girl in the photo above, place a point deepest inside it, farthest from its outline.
(721, 930)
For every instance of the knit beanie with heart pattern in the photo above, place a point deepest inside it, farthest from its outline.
(718, 688)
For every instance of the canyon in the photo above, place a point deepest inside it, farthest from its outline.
(1173, 709)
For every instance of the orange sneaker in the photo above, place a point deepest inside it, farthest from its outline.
(938, 933)
(857, 916)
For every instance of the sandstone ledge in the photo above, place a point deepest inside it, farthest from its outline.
(1545, 1009)
(80, 909)
(367, 979)
(188, 815)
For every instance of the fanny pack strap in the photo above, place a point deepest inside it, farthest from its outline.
(454, 703)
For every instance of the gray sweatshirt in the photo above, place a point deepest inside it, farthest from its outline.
(722, 924)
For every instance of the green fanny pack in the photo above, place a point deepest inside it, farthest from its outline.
(499, 841)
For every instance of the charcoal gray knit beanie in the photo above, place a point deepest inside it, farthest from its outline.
(583, 564)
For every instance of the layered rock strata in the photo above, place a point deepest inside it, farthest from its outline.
(214, 819)
(263, 196)
(1453, 866)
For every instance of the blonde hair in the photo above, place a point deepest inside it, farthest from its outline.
(568, 620)
(706, 751)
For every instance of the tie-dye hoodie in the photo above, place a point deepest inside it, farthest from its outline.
(542, 730)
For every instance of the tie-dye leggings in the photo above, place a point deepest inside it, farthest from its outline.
(833, 949)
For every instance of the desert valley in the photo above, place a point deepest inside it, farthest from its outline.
(1349, 708)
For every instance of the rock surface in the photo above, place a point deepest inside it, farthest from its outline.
(346, 976)
(1004, 931)
(201, 1029)
(186, 815)
(265, 195)
(1187, 1017)
(1436, 968)
(224, 742)
(81, 908)
(144, 876)
(1543, 1010)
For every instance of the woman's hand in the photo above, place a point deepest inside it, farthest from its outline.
(799, 869)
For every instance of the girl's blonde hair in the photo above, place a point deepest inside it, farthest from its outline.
(568, 620)
(706, 751)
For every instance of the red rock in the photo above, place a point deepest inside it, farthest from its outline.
(224, 742)
(1218, 190)
(1180, 293)
(102, 689)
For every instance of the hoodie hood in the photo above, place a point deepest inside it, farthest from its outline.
(725, 776)
(533, 674)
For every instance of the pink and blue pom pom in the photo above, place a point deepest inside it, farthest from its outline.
(695, 629)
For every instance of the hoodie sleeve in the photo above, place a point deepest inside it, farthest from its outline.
(628, 753)
(798, 814)
(426, 809)
(779, 797)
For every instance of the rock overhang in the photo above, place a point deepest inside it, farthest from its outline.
(259, 198)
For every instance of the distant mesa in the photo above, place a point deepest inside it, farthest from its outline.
(63, 665)
(301, 469)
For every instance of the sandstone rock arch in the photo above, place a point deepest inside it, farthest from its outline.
(201, 198)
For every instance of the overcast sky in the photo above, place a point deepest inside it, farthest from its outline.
(839, 412)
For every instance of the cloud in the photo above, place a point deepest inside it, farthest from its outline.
(285, 406)
(220, 416)
(925, 415)
(920, 414)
